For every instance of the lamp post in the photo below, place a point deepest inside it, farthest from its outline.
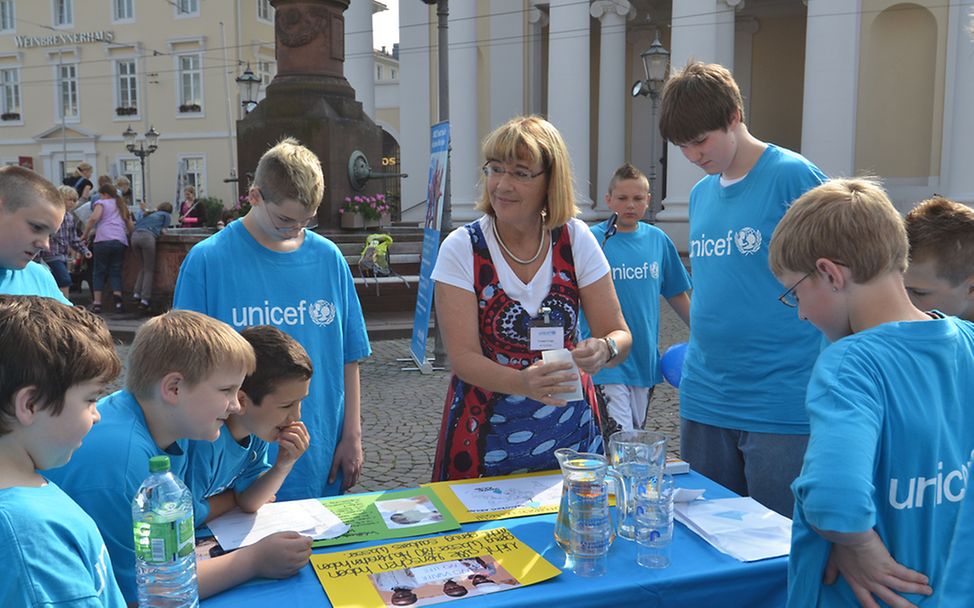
(143, 148)
(248, 82)
(656, 62)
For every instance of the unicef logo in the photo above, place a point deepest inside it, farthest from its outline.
(748, 240)
(654, 270)
(322, 312)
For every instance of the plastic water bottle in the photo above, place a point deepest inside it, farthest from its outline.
(162, 521)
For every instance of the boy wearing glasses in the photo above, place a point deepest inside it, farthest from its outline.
(888, 402)
(742, 420)
(645, 265)
(298, 281)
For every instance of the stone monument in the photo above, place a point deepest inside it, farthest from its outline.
(310, 100)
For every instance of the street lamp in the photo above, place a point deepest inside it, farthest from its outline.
(142, 148)
(656, 62)
(248, 82)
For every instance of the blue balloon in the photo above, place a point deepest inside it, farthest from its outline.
(671, 363)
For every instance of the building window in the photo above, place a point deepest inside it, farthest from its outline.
(6, 15)
(393, 70)
(10, 94)
(187, 7)
(127, 86)
(129, 167)
(193, 172)
(190, 83)
(378, 72)
(122, 10)
(63, 12)
(265, 12)
(266, 69)
(67, 86)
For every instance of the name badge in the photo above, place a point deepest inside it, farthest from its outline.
(547, 338)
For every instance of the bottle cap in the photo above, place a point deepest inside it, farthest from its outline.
(158, 464)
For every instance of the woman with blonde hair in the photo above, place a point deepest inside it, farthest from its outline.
(526, 265)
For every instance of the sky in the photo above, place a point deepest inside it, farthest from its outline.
(385, 25)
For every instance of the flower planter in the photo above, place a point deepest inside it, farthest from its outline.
(352, 221)
(385, 220)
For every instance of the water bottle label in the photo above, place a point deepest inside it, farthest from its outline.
(158, 543)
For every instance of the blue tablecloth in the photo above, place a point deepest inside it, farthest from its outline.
(699, 576)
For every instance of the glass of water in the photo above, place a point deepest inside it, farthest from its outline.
(654, 522)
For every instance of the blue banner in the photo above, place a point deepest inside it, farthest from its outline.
(436, 188)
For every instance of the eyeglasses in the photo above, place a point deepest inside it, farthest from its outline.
(789, 298)
(497, 170)
(288, 225)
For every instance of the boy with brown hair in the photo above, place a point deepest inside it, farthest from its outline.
(299, 282)
(184, 373)
(941, 271)
(888, 403)
(31, 211)
(235, 470)
(54, 362)
(742, 422)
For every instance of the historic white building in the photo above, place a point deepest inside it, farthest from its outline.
(858, 86)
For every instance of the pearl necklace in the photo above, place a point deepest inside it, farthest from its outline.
(493, 225)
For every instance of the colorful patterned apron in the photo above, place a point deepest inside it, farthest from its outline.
(484, 433)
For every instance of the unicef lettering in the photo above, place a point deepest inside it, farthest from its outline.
(321, 313)
(626, 273)
(747, 241)
(951, 486)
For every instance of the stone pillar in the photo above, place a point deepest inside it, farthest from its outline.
(507, 60)
(568, 86)
(702, 30)
(415, 113)
(831, 85)
(359, 61)
(611, 151)
(465, 143)
(957, 179)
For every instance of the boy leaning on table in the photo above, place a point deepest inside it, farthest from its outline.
(184, 373)
(234, 471)
(888, 402)
(51, 550)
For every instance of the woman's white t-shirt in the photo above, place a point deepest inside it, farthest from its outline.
(454, 264)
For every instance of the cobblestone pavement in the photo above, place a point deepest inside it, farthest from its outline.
(401, 411)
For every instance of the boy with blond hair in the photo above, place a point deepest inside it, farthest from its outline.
(645, 265)
(888, 401)
(299, 282)
(184, 373)
(64, 241)
(54, 362)
(235, 470)
(941, 272)
(742, 422)
(31, 211)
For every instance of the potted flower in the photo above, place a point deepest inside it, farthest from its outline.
(10, 116)
(126, 110)
(189, 108)
(364, 211)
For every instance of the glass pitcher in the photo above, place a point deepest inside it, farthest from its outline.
(583, 527)
(638, 456)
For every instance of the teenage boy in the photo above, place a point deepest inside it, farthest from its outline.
(299, 282)
(234, 471)
(184, 373)
(941, 272)
(888, 402)
(645, 265)
(31, 210)
(742, 419)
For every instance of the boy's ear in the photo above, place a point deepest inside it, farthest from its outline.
(244, 401)
(25, 404)
(832, 272)
(170, 387)
(608, 197)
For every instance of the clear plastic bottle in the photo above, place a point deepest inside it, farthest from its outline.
(162, 522)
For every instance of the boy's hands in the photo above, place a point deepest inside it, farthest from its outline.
(280, 555)
(870, 570)
(292, 441)
(350, 457)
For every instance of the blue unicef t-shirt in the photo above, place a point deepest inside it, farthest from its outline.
(749, 356)
(154, 222)
(105, 473)
(52, 553)
(224, 464)
(645, 265)
(32, 280)
(891, 432)
(957, 584)
(307, 293)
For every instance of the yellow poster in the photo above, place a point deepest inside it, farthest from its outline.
(490, 498)
(430, 570)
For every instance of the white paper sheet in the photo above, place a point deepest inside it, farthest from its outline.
(740, 527)
(506, 494)
(309, 517)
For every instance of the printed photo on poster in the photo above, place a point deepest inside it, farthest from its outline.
(442, 582)
(408, 512)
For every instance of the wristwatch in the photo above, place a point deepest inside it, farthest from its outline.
(613, 349)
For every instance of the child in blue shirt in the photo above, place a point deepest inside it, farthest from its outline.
(31, 211)
(888, 402)
(645, 265)
(184, 373)
(742, 419)
(147, 231)
(54, 361)
(234, 471)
